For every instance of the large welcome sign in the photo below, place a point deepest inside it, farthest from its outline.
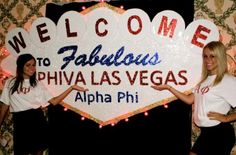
(116, 54)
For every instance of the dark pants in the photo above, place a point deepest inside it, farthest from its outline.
(217, 140)
(30, 131)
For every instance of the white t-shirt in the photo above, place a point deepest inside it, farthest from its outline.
(27, 98)
(219, 98)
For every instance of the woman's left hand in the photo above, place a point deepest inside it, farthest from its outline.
(217, 116)
(76, 87)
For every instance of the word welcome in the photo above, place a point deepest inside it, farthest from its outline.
(166, 26)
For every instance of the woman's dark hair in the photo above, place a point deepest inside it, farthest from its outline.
(19, 79)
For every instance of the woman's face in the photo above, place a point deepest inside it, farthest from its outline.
(29, 69)
(210, 61)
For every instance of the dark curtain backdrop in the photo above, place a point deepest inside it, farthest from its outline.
(165, 131)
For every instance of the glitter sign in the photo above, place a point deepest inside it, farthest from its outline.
(117, 55)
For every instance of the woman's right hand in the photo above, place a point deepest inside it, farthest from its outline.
(161, 87)
(187, 98)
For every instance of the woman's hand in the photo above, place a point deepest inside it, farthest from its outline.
(217, 116)
(161, 87)
(78, 88)
(58, 99)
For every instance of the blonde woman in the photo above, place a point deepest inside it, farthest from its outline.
(213, 97)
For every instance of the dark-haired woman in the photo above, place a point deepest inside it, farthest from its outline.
(26, 97)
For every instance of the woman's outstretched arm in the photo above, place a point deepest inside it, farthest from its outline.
(63, 95)
(188, 99)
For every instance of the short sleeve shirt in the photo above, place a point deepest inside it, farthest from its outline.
(219, 98)
(27, 98)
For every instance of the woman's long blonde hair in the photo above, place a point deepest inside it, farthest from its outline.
(219, 51)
